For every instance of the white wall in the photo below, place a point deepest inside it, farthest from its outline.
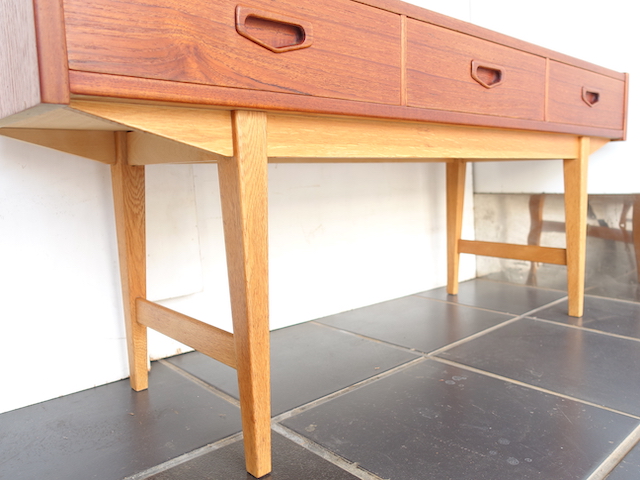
(605, 33)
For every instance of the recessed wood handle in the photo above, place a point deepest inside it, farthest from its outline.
(278, 33)
(591, 96)
(486, 74)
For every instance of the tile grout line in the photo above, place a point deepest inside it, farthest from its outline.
(362, 383)
(351, 467)
(450, 345)
(547, 289)
(621, 300)
(585, 329)
(533, 387)
(185, 457)
(207, 386)
(482, 309)
(493, 328)
(372, 339)
(607, 466)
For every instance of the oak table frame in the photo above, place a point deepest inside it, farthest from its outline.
(129, 122)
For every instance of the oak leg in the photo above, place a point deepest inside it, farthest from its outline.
(575, 200)
(243, 190)
(455, 201)
(128, 199)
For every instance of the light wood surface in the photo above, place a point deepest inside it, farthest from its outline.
(149, 149)
(129, 203)
(575, 202)
(217, 344)
(456, 173)
(95, 145)
(243, 191)
(292, 137)
(205, 128)
(529, 253)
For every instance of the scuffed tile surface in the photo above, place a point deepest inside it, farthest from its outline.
(416, 322)
(603, 314)
(591, 366)
(307, 362)
(502, 297)
(440, 422)
(110, 432)
(290, 462)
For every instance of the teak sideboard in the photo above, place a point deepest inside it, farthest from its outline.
(137, 82)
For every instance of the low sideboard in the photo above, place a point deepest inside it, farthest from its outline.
(246, 82)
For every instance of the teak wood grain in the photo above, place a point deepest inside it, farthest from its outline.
(355, 53)
(439, 74)
(372, 58)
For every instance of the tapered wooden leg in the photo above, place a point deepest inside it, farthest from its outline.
(575, 200)
(129, 203)
(243, 190)
(455, 201)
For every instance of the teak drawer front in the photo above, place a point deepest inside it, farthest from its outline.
(333, 48)
(581, 97)
(441, 65)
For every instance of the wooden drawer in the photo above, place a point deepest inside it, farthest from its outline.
(340, 49)
(442, 64)
(581, 97)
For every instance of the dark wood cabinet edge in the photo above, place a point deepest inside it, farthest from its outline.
(88, 84)
(52, 51)
(438, 19)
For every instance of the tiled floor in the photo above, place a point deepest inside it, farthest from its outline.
(496, 383)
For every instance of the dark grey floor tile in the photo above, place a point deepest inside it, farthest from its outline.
(437, 422)
(591, 366)
(502, 297)
(606, 315)
(111, 432)
(290, 462)
(628, 468)
(416, 322)
(307, 362)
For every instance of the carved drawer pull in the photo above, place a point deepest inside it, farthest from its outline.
(273, 31)
(590, 96)
(486, 74)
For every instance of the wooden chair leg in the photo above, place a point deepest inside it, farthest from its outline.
(575, 200)
(456, 171)
(243, 190)
(129, 203)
